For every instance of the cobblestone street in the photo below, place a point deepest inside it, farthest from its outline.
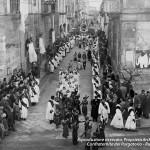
(37, 127)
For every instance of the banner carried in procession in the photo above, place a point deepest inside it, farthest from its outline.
(83, 27)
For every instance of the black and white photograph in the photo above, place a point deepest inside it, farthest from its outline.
(74, 74)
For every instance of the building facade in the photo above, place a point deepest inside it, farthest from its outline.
(19, 20)
(70, 13)
(128, 31)
(62, 17)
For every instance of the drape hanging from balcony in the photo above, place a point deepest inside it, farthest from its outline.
(32, 53)
(42, 47)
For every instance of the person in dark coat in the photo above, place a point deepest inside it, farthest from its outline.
(94, 145)
(84, 56)
(84, 106)
(77, 101)
(113, 107)
(119, 94)
(79, 55)
(84, 64)
(142, 97)
(75, 115)
(9, 112)
(57, 118)
(123, 90)
(88, 136)
(86, 125)
(89, 55)
(94, 110)
(75, 56)
(65, 128)
(75, 133)
(80, 44)
(146, 106)
(132, 93)
(125, 113)
(137, 106)
(101, 135)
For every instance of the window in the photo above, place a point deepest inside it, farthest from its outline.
(34, 2)
(14, 6)
(53, 7)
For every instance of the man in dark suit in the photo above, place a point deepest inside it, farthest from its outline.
(143, 97)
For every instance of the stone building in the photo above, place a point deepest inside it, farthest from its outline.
(20, 19)
(128, 31)
(62, 17)
(70, 14)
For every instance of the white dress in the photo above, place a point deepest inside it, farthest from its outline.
(33, 97)
(117, 121)
(103, 112)
(37, 90)
(51, 66)
(131, 123)
(36, 96)
(24, 105)
(50, 116)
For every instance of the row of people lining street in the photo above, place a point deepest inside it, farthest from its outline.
(16, 96)
(21, 92)
(64, 108)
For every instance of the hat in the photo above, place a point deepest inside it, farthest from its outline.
(130, 109)
(118, 105)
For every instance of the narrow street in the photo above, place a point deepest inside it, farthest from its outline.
(37, 134)
(36, 122)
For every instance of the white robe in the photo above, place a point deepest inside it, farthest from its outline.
(62, 49)
(67, 48)
(32, 53)
(37, 90)
(50, 116)
(55, 63)
(117, 121)
(33, 97)
(51, 67)
(60, 56)
(24, 110)
(103, 112)
(38, 81)
(131, 123)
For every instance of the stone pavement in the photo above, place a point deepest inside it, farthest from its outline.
(36, 124)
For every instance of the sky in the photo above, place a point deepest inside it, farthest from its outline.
(95, 3)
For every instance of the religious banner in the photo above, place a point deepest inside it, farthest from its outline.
(142, 60)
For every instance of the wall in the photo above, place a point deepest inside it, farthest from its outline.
(135, 20)
(114, 36)
(2, 48)
(13, 43)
